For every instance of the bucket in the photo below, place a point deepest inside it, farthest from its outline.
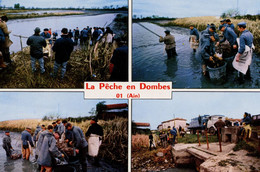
(217, 74)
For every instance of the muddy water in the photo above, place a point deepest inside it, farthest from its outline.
(8, 165)
(25, 27)
(20, 165)
(150, 61)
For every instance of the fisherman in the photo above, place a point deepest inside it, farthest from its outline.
(63, 48)
(37, 130)
(55, 126)
(222, 22)
(194, 38)
(36, 42)
(100, 33)
(84, 35)
(219, 125)
(228, 122)
(8, 42)
(95, 134)
(7, 144)
(245, 52)
(40, 137)
(26, 140)
(247, 130)
(48, 151)
(174, 134)
(229, 24)
(151, 141)
(43, 128)
(45, 34)
(76, 36)
(230, 36)
(119, 62)
(60, 126)
(207, 51)
(170, 45)
(80, 143)
(63, 146)
(109, 35)
(95, 36)
(70, 34)
(2, 41)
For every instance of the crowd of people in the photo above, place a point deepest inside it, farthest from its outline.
(59, 140)
(43, 44)
(213, 49)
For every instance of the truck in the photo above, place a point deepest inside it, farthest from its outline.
(206, 122)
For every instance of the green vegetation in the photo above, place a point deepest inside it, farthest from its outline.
(193, 138)
(250, 147)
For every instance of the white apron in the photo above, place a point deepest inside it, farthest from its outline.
(94, 143)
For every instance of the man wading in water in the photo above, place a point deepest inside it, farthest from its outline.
(170, 45)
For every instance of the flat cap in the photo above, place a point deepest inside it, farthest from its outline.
(37, 30)
(223, 20)
(220, 27)
(242, 24)
(7, 131)
(228, 20)
(167, 31)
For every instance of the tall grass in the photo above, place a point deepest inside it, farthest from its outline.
(201, 24)
(114, 146)
(140, 141)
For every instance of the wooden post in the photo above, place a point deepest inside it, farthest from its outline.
(21, 43)
(219, 140)
(207, 139)
(198, 136)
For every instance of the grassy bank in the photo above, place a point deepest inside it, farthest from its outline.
(114, 145)
(201, 24)
(87, 64)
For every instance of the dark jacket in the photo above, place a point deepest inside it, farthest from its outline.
(78, 138)
(38, 129)
(7, 143)
(2, 37)
(246, 120)
(246, 38)
(120, 61)
(26, 136)
(207, 48)
(36, 42)
(55, 128)
(94, 129)
(195, 32)
(229, 35)
(45, 36)
(63, 48)
(40, 141)
(48, 150)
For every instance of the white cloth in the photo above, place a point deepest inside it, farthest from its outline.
(244, 60)
(94, 143)
(193, 42)
(109, 38)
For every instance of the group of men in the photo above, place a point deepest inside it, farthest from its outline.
(5, 43)
(57, 141)
(168, 136)
(209, 41)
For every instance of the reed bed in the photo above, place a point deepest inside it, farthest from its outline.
(114, 146)
(89, 63)
(140, 141)
(201, 24)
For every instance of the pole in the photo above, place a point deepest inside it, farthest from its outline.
(219, 140)
(21, 42)
(198, 134)
(148, 29)
(207, 138)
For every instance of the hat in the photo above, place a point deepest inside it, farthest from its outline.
(94, 119)
(68, 125)
(37, 30)
(228, 20)
(213, 27)
(220, 117)
(7, 131)
(223, 20)
(28, 128)
(220, 27)
(167, 31)
(243, 24)
(46, 29)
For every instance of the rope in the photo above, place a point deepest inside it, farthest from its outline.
(148, 29)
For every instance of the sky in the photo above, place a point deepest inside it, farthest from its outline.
(65, 3)
(192, 8)
(34, 105)
(189, 105)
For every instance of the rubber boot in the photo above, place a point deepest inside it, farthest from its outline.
(2, 65)
(204, 69)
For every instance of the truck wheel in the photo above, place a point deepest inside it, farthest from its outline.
(212, 131)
